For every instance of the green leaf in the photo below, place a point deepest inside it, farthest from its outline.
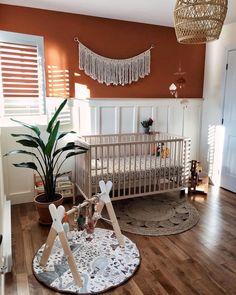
(74, 154)
(64, 134)
(38, 140)
(33, 128)
(15, 152)
(69, 146)
(52, 139)
(28, 143)
(30, 165)
(50, 124)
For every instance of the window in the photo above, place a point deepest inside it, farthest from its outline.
(22, 81)
(65, 116)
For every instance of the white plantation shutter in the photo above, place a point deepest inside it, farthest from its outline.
(22, 75)
(59, 87)
(65, 116)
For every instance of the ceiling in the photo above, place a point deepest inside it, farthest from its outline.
(157, 12)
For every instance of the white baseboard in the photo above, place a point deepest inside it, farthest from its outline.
(6, 242)
(20, 198)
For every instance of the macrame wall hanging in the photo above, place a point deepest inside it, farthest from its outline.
(113, 71)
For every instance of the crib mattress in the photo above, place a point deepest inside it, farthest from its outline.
(134, 168)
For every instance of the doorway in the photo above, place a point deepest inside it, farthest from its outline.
(228, 172)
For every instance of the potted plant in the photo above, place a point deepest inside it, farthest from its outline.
(47, 155)
(146, 125)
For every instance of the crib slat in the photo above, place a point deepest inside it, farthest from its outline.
(174, 169)
(102, 161)
(113, 171)
(161, 169)
(145, 167)
(118, 172)
(169, 179)
(181, 163)
(165, 172)
(124, 157)
(96, 169)
(155, 167)
(129, 169)
(135, 175)
(150, 165)
(140, 168)
(108, 162)
(89, 173)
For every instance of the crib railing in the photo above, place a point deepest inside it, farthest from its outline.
(137, 164)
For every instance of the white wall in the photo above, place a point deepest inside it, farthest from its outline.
(214, 83)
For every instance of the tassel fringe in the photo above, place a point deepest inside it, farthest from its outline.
(114, 71)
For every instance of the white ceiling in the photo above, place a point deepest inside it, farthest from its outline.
(158, 12)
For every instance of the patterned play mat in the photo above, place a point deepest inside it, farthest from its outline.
(102, 263)
(164, 214)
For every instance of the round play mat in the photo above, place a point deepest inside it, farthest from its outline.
(101, 262)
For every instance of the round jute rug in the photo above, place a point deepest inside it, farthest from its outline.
(166, 214)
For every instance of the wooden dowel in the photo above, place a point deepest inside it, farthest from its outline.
(85, 203)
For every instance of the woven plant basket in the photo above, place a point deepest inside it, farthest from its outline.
(199, 21)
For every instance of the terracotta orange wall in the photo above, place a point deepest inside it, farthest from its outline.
(111, 38)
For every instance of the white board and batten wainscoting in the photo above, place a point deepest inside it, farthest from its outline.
(174, 116)
(103, 116)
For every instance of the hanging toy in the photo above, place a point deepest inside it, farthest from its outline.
(65, 224)
(90, 226)
(97, 209)
(90, 223)
(80, 222)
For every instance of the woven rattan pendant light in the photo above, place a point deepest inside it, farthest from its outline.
(199, 21)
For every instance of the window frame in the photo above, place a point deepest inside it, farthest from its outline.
(25, 39)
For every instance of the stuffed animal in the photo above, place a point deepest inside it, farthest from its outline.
(165, 152)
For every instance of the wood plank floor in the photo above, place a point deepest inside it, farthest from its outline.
(199, 261)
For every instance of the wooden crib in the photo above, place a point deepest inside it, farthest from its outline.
(137, 164)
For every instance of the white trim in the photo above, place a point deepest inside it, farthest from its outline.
(7, 245)
(226, 58)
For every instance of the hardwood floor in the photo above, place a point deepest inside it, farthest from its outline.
(199, 261)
